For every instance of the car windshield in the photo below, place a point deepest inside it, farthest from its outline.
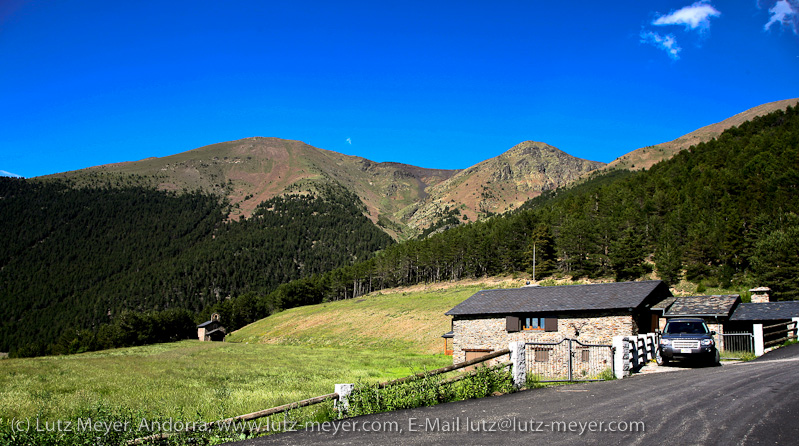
(685, 328)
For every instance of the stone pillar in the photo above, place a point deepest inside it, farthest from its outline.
(344, 391)
(518, 357)
(621, 356)
(795, 327)
(758, 331)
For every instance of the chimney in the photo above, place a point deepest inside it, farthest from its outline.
(761, 294)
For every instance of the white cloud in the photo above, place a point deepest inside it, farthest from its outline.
(695, 16)
(4, 173)
(349, 141)
(667, 43)
(786, 13)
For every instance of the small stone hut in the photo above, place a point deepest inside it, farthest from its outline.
(211, 330)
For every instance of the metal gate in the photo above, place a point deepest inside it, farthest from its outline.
(738, 342)
(568, 360)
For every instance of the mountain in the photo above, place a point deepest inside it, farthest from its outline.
(646, 157)
(499, 184)
(724, 213)
(249, 171)
(402, 199)
(84, 249)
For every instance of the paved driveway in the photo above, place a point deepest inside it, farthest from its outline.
(747, 403)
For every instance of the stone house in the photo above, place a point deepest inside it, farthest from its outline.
(211, 330)
(491, 319)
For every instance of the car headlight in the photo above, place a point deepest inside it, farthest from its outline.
(665, 342)
(707, 342)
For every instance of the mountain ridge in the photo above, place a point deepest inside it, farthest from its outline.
(402, 199)
(646, 157)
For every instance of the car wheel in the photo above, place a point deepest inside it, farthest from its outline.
(717, 359)
(660, 359)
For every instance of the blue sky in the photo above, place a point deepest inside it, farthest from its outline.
(434, 84)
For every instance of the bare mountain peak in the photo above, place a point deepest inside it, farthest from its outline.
(501, 183)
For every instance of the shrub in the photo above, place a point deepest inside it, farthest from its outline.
(428, 391)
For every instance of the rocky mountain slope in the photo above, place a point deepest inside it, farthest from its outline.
(499, 184)
(252, 170)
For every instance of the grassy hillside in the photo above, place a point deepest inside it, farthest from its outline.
(405, 319)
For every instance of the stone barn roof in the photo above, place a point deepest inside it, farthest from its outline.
(766, 311)
(718, 305)
(540, 299)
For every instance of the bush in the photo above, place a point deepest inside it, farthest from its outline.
(428, 391)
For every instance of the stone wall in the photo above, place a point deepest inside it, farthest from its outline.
(489, 332)
(718, 327)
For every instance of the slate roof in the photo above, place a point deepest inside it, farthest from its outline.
(766, 311)
(718, 305)
(601, 296)
(206, 323)
(664, 304)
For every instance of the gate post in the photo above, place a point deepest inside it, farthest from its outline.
(619, 356)
(571, 361)
(519, 367)
(758, 330)
(344, 391)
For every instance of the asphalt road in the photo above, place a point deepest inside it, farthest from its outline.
(753, 403)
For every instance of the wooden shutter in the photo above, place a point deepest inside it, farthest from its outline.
(551, 324)
(512, 324)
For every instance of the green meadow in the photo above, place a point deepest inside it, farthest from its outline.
(192, 380)
(290, 356)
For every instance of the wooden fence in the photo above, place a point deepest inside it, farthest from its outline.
(630, 353)
(332, 396)
(769, 332)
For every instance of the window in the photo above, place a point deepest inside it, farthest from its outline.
(586, 355)
(541, 355)
(514, 323)
(689, 327)
(533, 323)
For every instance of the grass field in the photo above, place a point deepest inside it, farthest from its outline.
(192, 379)
(290, 356)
